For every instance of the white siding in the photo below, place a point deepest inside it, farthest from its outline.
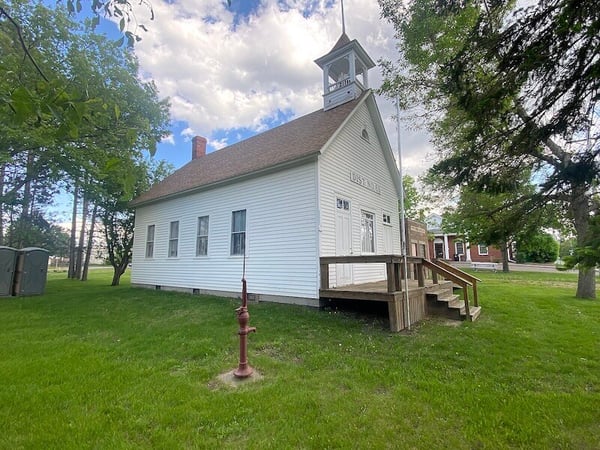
(351, 153)
(281, 237)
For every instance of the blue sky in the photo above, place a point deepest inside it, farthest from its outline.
(232, 72)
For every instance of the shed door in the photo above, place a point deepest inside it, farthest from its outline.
(343, 241)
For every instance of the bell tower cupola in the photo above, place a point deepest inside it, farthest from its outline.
(345, 72)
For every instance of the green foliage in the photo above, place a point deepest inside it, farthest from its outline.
(537, 248)
(73, 109)
(413, 201)
(588, 254)
(567, 248)
(506, 87)
(35, 231)
(496, 219)
(120, 185)
(91, 366)
(123, 10)
(77, 94)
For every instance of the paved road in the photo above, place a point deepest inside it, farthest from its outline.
(516, 267)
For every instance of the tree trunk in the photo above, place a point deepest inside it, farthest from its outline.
(504, 251)
(26, 205)
(118, 271)
(72, 241)
(81, 246)
(90, 243)
(586, 283)
(581, 211)
(2, 174)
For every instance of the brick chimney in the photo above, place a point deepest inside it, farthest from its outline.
(198, 147)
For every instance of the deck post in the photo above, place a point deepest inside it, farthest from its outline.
(324, 276)
(466, 299)
(395, 312)
(398, 275)
(420, 274)
(391, 278)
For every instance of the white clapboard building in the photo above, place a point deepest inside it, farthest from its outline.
(325, 184)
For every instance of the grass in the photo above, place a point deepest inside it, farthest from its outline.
(90, 366)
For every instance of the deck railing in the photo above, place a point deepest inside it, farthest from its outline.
(474, 280)
(416, 267)
(393, 263)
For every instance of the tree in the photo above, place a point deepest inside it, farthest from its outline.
(120, 186)
(80, 108)
(413, 201)
(87, 112)
(36, 231)
(588, 254)
(505, 88)
(497, 219)
(540, 247)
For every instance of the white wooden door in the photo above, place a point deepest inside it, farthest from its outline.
(388, 234)
(343, 241)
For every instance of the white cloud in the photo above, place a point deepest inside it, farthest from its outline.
(225, 76)
(218, 144)
(170, 139)
(187, 133)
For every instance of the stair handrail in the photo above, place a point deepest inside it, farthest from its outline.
(456, 270)
(462, 282)
(462, 274)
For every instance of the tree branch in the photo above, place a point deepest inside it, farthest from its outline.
(3, 12)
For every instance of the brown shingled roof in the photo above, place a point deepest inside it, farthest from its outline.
(294, 140)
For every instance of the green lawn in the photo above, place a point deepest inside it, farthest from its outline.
(90, 366)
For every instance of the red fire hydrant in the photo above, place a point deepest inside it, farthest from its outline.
(244, 369)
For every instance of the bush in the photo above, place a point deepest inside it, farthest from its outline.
(537, 248)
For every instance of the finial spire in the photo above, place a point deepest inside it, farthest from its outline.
(343, 19)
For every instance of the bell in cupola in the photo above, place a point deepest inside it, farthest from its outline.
(345, 72)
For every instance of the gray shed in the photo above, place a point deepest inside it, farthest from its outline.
(8, 261)
(32, 271)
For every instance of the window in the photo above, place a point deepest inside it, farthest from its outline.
(365, 134)
(367, 232)
(202, 236)
(459, 246)
(343, 204)
(173, 239)
(238, 232)
(150, 241)
(387, 219)
(483, 249)
(438, 248)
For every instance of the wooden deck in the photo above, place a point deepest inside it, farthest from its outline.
(375, 291)
(421, 287)
(378, 292)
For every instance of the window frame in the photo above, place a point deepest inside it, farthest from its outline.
(343, 204)
(486, 252)
(364, 134)
(386, 219)
(202, 237)
(150, 242)
(173, 248)
(456, 244)
(235, 240)
(365, 220)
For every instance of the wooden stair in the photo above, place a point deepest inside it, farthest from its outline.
(445, 303)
